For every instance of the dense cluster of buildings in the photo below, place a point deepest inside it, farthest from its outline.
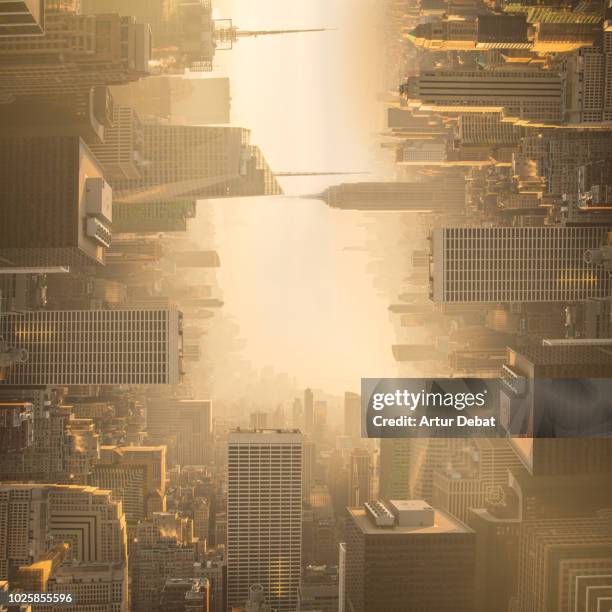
(112, 489)
(509, 103)
(122, 486)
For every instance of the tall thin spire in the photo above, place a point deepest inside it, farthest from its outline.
(317, 173)
(254, 33)
(226, 33)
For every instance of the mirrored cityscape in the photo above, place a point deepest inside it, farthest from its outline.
(217, 217)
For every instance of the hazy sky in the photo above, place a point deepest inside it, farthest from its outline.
(309, 98)
(304, 302)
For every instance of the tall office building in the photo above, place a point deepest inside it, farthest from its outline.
(185, 34)
(427, 455)
(448, 195)
(352, 415)
(516, 264)
(153, 12)
(564, 563)
(503, 31)
(404, 555)
(474, 477)
(488, 129)
(120, 155)
(319, 419)
(22, 18)
(95, 347)
(400, 119)
(422, 151)
(61, 206)
(360, 477)
(152, 217)
(201, 519)
(309, 462)
(180, 100)
(197, 162)
(555, 455)
(189, 422)
(394, 468)
(308, 411)
(139, 249)
(589, 80)
(535, 95)
(76, 52)
(259, 420)
(36, 517)
(182, 32)
(264, 516)
(482, 32)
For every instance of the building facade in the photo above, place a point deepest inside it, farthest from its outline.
(516, 264)
(61, 206)
(96, 347)
(264, 516)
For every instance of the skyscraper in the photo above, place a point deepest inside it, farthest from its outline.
(516, 264)
(182, 101)
(188, 421)
(308, 411)
(152, 217)
(76, 52)
(404, 555)
(309, 460)
(22, 18)
(476, 475)
(535, 95)
(556, 455)
(61, 206)
(35, 517)
(120, 155)
(589, 76)
(264, 516)
(185, 34)
(352, 415)
(95, 347)
(448, 195)
(562, 558)
(201, 519)
(197, 162)
(487, 128)
(482, 32)
(360, 477)
(394, 465)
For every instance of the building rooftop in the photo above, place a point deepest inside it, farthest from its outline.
(265, 435)
(442, 521)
